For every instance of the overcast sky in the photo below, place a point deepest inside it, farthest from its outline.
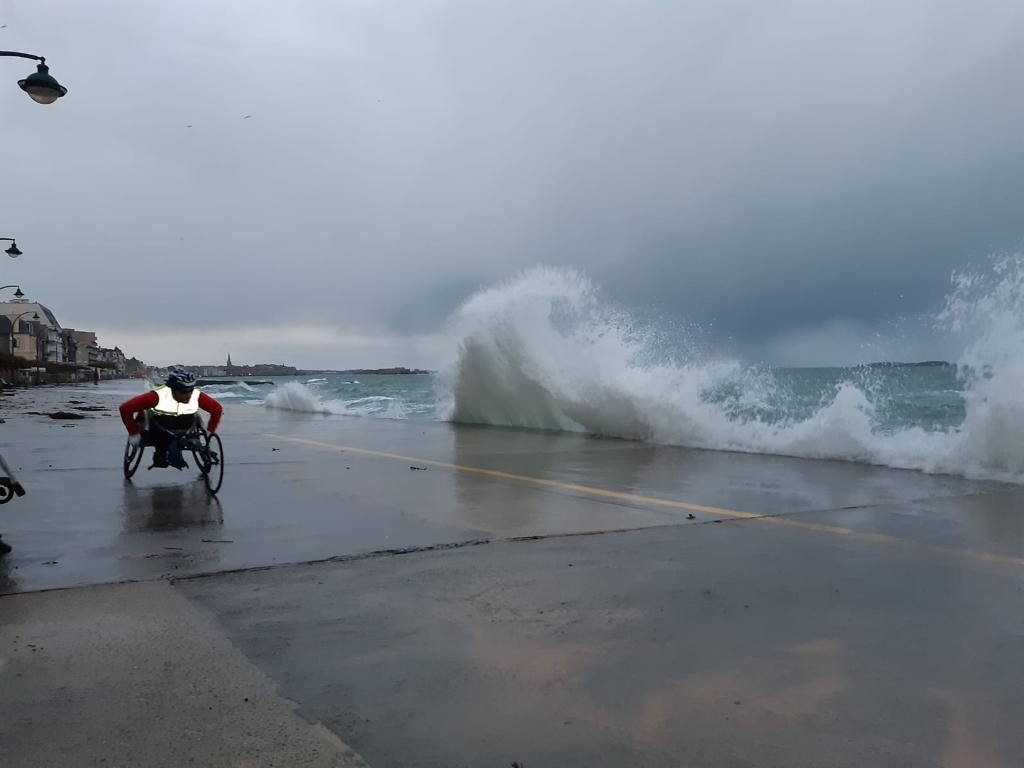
(798, 177)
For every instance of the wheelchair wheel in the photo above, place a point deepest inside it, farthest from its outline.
(132, 458)
(199, 453)
(211, 462)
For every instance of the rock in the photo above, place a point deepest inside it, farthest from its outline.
(67, 415)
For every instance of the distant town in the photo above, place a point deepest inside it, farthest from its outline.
(36, 349)
(230, 370)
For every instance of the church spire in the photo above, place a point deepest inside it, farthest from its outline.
(229, 361)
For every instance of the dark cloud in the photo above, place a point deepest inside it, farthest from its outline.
(766, 169)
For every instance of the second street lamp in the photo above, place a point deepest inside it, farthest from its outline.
(14, 251)
(17, 293)
(41, 86)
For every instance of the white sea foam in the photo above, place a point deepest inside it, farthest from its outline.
(544, 350)
(294, 396)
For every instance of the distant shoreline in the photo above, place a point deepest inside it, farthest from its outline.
(924, 364)
(260, 378)
(880, 364)
(372, 372)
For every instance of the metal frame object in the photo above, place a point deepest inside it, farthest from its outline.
(9, 485)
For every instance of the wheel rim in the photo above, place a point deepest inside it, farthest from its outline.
(214, 474)
(132, 458)
(201, 464)
(6, 492)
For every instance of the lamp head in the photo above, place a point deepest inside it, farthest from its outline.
(41, 86)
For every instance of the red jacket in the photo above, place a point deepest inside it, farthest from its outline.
(150, 399)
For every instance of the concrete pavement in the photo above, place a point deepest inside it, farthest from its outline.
(710, 645)
(133, 675)
(290, 495)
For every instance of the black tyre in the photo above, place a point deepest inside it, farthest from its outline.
(132, 458)
(211, 464)
(199, 454)
(6, 490)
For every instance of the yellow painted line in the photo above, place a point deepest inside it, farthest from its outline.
(893, 541)
(618, 495)
(654, 501)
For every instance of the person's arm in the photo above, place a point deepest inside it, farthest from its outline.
(213, 408)
(137, 404)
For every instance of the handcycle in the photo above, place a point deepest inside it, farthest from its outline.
(9, 485)
(206, 448)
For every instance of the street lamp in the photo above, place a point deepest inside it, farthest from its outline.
(17, 294)
(14, 251)
(14, 325)
(40, 85)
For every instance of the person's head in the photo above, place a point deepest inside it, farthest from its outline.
(181, 384)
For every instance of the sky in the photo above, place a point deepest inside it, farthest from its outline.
(323, 183)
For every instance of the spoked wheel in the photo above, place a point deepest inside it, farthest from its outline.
(199, 454)
(210, 459)
(132, 457)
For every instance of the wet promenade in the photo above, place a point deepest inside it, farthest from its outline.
(430, 595)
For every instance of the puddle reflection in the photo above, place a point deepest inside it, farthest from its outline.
(169, 507)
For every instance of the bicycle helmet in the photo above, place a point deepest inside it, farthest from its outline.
(179, 379)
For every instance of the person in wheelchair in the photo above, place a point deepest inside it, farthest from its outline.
(159, 416)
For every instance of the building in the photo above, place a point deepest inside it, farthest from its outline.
(134, 367)
(85, 346)
(114, 358)
(209, 371)
(31, 331)
(70, 345)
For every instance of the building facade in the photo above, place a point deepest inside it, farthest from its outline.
(31, 331)
(114, 358)
(38, 349)
(85, 347)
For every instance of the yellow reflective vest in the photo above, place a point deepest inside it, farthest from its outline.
(168, 406)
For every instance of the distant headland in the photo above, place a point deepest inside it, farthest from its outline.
(380, 371)
(372, 371)
(262, 370)
(924, 364)
(255, 374)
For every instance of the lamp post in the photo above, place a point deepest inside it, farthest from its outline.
(14, 325)
(17, 294)
(40, 85)
(14, 251)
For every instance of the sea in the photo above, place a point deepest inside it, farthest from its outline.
(547, 351)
